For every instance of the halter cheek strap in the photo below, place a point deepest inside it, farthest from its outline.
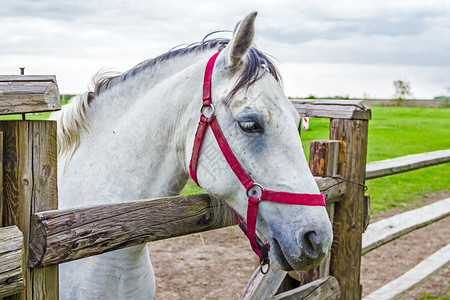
(253, 189)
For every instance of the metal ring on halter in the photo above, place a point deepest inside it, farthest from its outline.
(265, 262)
(255, 185)
(213, 110)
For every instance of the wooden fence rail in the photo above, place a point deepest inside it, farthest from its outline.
(333, 109)
(386, 230)
(414, 277)
(11, 251)
(322, 288)
(263, 286)
(28, 94)
(64, 235)
(401, 164)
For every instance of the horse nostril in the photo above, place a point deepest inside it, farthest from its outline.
(310, 244)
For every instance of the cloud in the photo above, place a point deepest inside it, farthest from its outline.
(401, 50)
(46, 9)
(333, 79)
(73, 39)
(366, 34)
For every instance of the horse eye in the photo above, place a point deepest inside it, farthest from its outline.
(250, 126)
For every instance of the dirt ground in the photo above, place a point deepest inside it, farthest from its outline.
(217, 264)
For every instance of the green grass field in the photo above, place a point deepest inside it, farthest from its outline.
(393, 132)
(399, 131)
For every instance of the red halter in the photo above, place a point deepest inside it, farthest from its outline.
(253, 189)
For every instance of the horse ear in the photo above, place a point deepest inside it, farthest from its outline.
(242, 40)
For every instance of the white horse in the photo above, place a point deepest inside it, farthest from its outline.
(132, 138)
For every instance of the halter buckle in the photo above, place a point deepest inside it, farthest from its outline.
(255, 191)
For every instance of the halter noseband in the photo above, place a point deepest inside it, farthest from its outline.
(255, 192)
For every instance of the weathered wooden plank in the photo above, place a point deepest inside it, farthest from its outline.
(323, 157)
(64, 235)
(337, 109)
(414, 277)
(332, 188)
(349, 212)
(381, 232)
(11, 250)
(27, 78)
(28, 94)
(30, 186)
(323, 288)
(401, 164)
(263, 286)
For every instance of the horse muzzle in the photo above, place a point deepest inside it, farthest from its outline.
(300, 249)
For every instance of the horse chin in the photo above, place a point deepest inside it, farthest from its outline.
(304, 262)
(278, 257)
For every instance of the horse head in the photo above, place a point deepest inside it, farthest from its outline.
(261, 127)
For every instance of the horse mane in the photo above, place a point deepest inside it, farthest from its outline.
(75, 117)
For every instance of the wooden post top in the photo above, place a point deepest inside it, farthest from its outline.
(335, 109)
(21, 94)
(27, 78)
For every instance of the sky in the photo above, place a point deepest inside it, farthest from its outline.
(325, 48)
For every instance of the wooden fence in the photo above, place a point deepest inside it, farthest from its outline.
(389, 229)
(48, 237)
(28, 181)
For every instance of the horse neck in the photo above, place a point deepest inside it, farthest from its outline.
(137, 145)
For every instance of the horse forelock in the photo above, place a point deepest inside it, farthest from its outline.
(257, 64)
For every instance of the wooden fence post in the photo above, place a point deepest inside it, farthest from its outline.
(348, 215)
(30, 185)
